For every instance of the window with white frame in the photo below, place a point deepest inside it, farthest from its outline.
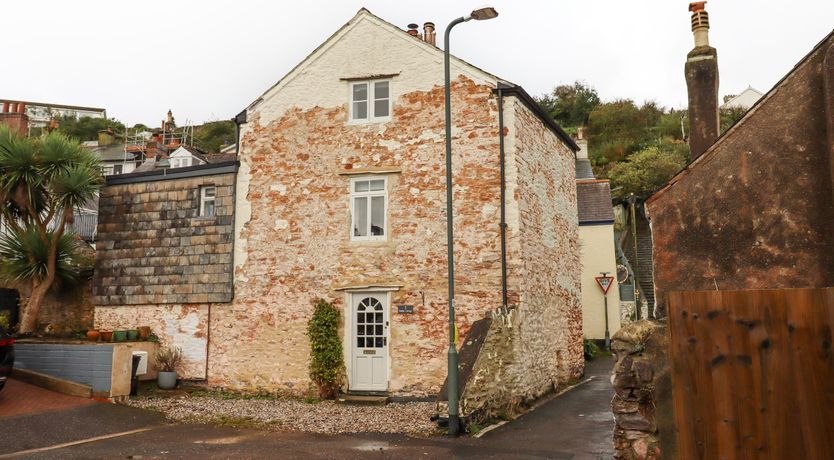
(370, 101)
(180, 162)
(369, 208)
(207, 197)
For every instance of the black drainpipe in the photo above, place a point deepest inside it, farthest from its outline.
(503, 199)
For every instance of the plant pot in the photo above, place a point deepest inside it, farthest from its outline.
(106, 336)
(119, 336)
(166, 380)
(144, 332)
(133, 335)
(93, 335)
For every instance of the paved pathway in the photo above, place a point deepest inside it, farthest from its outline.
(19, 398)
(576, 425)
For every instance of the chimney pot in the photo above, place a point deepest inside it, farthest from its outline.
(21, 108)
(429, 34)
(5, 107)
(412, 30)
(701, 72)
(700, 23)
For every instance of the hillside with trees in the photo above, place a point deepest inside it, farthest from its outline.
(637, 147)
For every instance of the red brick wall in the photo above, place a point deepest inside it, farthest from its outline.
(17, 122)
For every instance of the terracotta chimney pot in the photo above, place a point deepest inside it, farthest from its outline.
(412, 30)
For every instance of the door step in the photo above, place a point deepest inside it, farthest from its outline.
(363, 400)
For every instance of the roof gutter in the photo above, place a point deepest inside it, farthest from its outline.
(534, 107)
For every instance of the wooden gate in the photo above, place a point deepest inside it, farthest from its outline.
(753, 373)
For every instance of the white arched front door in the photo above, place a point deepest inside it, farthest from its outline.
(369, 342)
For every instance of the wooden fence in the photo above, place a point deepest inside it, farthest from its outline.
(753, 373)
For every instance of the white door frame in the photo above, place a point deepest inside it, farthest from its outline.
(350, 328)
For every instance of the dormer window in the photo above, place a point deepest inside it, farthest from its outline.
(370, 101)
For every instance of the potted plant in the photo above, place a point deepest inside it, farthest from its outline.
(92, 335)
(144, 332)
(167, 361)
(132, 335)
(106, 336)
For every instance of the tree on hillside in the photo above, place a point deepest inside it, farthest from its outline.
(617, 129)
(570, 105)
(214, 135)
(87, 128)
(646, 171)
(41, 182)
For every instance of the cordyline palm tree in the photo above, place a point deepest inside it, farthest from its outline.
(41, 182)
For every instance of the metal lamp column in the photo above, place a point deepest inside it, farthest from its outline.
(452, 380)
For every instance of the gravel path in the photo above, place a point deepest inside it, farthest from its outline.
(294, 415)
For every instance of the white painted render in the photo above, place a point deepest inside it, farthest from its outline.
(598, 255)
(182, 153)
(744, 100)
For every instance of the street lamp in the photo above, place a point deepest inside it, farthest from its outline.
(480, 14)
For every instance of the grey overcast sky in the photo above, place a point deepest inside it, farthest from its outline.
(207, 60)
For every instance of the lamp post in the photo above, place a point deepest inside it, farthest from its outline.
(452, 380)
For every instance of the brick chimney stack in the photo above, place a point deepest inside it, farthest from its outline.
(701, 72)
(15, 118)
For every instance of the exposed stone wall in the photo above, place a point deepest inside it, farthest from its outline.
(67, 310)
(70, 308)
(755, 211)
(182, 326)
(536, 346)
(154, 248)
(642, 401)
(298, 247)
(548, 262)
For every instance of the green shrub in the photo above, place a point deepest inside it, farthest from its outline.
(327, 365)
(591, 349)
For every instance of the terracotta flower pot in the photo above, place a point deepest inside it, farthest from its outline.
(144, 332)
(92, 335)
(106, 336)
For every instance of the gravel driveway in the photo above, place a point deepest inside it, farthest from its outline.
(295, 415)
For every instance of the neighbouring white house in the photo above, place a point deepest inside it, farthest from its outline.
(743, 100)
(114, 160)
(596, 246)
(185, 156)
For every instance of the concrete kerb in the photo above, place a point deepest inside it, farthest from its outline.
(52, 383)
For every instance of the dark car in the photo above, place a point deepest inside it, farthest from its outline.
(6, 356)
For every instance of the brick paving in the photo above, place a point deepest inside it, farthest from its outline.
(19, 398)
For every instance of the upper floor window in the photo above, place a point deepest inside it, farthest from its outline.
(369, 206)
(370, 101)
(180, 162)
(207, 197)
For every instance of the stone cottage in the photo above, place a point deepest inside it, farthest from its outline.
(340, 195)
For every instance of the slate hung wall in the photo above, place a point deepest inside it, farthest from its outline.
(158, 262)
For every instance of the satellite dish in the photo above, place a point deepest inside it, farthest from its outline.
(622, 273)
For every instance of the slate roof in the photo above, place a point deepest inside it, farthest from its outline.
(594, 202)
(115, 152)
(220, 157)
(584, 169)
